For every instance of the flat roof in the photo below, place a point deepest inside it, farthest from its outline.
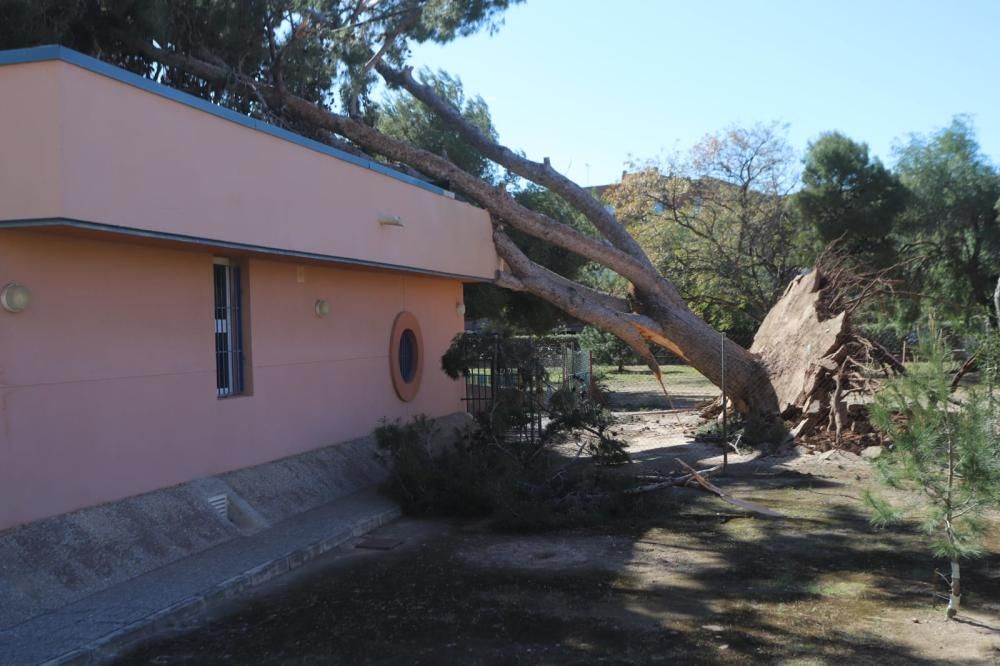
(55, 52)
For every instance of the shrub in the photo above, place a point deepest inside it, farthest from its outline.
(523, 392)
(476, 479)
(520, 482)
(450, 481)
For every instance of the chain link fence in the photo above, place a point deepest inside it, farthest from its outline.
(623, 383)
(962, 340)
(626, 384)
(567, 365)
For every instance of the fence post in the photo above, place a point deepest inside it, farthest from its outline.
(567, 361)
(590, 373)
(493, 372)
(725, 425)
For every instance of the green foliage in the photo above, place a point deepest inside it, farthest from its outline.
(883, 513)
(236, 32)
(607, 348)
(848, 195)
(570, 411)
(521, 388)
(271, 40)
(475, 478)
(718, 223)
(951, 219)
(987, 352)
(945, 453)
(515, 352)
(406, 118)
(552, 206)
(521, 311)
(453, 481)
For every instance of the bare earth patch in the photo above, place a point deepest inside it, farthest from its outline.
(701, 584)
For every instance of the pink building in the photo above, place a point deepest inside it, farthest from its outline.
(187, 291)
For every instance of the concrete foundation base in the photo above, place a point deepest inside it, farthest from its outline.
(274, 515)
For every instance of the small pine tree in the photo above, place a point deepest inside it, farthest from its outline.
(946, 451)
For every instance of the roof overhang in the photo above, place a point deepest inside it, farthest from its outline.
(92, 148)
(96, 231)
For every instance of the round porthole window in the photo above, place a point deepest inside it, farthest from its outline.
(406, 356)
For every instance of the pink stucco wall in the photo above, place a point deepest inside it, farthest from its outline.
(83, 146)
(30, 137)
(107, 382)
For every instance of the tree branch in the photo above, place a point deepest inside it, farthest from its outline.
(584, 304)
(541, 173)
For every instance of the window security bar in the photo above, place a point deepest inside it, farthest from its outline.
(228, 330)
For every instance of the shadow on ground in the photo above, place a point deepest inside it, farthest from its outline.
(652, 398)
(698, 584)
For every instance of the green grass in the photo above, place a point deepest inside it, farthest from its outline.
(677, 378)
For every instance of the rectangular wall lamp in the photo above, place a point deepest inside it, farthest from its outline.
(390, 220)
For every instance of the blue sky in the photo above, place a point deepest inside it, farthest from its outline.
(590, 83)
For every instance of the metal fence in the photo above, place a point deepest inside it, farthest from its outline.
(566, 365)
(632, 386)
(492, 374)
(903, 344)
(627, 385)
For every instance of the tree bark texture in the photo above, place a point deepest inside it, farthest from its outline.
(955, 596)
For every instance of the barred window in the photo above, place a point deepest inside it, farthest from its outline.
(229, 374)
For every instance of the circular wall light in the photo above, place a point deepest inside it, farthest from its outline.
(406, 356)
(15, 297)
(322, 308)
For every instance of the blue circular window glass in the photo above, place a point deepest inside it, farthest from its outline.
(408, 355)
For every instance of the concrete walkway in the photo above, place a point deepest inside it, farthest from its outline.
(86, 630)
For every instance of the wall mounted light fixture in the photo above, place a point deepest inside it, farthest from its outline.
(460, 309)
(390, 220)
(322, 308)
(15, 297)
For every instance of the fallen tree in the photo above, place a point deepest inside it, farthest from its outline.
(805, 359)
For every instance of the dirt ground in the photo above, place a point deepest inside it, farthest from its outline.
(703, 583)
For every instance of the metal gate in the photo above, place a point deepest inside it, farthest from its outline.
(524, 383)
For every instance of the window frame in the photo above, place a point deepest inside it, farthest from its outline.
(230, 340)
(406, 390)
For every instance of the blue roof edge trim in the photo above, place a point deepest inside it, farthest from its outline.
(61, 53)
(49, 222)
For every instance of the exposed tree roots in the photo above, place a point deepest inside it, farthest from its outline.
(821, 367)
